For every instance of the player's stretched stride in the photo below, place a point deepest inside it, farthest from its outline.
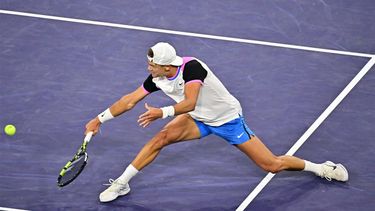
(203, 107)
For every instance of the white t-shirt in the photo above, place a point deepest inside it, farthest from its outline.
(215, 105)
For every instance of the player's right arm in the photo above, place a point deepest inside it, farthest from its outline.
(125, 103)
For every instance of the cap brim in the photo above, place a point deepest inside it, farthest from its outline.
(177, 61)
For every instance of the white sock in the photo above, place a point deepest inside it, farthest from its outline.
(129, 172)
(313, 167)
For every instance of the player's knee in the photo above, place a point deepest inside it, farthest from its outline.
(274, 165)
(160, 140)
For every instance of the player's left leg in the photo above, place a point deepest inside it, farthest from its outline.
(264, 158)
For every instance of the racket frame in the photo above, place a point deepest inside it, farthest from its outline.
(81, 152)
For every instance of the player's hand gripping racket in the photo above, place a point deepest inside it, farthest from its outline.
(75, 166)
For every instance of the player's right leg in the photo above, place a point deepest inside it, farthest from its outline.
(181, 128)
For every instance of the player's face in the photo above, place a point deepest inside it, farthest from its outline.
(156, 70)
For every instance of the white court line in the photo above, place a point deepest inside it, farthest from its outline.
(10, 209)
(165, 31)
(310, 131)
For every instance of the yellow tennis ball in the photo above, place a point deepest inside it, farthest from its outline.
(10, 130)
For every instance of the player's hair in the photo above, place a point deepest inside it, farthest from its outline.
(150, 53)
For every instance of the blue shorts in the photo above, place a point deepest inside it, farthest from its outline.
(234, 132)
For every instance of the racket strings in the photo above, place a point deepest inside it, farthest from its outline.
(72, 170)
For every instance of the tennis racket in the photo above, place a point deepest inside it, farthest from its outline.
(74, 167)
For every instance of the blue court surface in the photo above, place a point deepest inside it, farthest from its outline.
(57, 74)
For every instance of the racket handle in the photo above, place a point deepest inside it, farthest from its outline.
(88, 137)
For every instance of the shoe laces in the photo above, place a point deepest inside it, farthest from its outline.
(328, 178)
(328, 173)
(115, 185)
(111, 181)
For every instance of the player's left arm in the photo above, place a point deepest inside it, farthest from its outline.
(188, 104)
(190, 101)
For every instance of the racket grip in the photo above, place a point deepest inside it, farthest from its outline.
(88, 137)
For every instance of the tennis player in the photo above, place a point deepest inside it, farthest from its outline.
(203, 107)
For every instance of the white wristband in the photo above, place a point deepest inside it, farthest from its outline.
(167, 111)
(105, 116)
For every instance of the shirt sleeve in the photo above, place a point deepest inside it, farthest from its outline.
(194, 72)
(149, 86)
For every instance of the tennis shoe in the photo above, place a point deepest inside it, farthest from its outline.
(115, 190)
(331, 171)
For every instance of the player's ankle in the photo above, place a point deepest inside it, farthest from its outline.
(313, 167)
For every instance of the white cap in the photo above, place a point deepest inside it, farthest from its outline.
(165, 54)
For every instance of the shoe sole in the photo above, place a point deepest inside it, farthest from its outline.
(122, 194)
